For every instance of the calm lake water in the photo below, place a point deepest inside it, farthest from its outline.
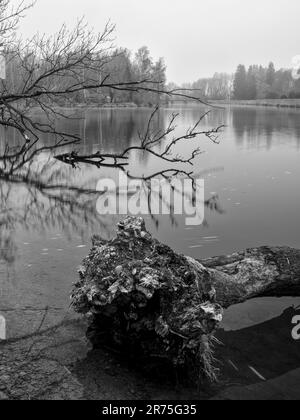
(45, 232)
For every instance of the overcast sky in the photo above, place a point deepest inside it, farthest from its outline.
(196, 37)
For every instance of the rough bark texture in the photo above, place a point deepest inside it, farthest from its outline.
(149, 301)
(257, 272)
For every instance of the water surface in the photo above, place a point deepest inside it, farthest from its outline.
(45, 233)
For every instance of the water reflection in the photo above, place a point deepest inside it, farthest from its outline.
(254, 127)
(261, 128)
(43, 199)
(265, 349)
(52, 196)
(40, 193)
(254, 170)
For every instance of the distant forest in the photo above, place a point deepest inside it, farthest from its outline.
(125, 67)
(122, 66)
(257, 82)
(265, 83)
(117, 66)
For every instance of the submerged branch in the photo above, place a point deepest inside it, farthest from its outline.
(148, 144)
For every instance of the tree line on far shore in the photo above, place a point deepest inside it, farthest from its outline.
(126, 67)
(260, 82)
(118, 66)
(256, 82)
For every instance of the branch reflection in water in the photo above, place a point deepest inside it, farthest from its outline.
(40, 193)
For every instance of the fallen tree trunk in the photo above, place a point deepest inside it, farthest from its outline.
(149, 301)
(257, 272)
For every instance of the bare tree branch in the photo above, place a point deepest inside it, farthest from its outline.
(148, 143)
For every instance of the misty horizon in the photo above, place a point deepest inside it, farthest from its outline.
(197, 39)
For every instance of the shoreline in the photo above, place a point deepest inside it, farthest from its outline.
(266, 103)
(261, 103)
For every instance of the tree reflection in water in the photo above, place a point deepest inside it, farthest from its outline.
(40, 193)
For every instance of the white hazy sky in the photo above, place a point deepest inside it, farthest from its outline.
(196, 37)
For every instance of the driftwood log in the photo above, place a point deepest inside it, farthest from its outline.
(257, 272)
(149, 301)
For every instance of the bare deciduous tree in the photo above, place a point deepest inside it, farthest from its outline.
(9, 18)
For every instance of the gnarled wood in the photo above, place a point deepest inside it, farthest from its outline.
(148, 300)
(257, 272)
